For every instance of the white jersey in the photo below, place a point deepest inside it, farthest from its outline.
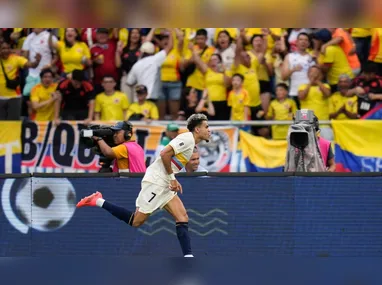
(299, 78)
(38, 44)
(183, 146)
(146, 71)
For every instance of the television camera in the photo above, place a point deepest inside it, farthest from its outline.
(106, 133)
(303, 152)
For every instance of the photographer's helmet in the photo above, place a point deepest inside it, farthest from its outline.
(126, 126)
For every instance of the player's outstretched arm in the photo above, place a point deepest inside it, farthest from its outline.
(166, 154)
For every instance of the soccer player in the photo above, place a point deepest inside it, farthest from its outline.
(159, 185)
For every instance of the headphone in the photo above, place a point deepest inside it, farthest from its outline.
(128, 128)
(316, 123)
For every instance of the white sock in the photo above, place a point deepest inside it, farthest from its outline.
(188, 255)
(100, 202)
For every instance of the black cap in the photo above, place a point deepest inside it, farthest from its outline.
(103, 30)
(123, 125)
(141, 89)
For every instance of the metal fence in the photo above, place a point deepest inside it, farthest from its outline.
(233, 123)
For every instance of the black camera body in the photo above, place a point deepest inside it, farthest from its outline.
(304, 122)
(104, 132)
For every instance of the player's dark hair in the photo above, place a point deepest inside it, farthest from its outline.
(195, 120)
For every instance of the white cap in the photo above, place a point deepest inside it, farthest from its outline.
(147, 47)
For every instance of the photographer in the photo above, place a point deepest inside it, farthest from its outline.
(325, 149)
(127, 154)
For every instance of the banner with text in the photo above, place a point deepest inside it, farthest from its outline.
(49, 148)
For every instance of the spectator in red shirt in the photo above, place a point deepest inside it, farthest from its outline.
(76, 100)
(103, 56)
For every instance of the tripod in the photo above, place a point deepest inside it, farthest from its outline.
(105, 165)
(299, 159)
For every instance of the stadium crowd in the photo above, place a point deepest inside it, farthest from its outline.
(168, 74)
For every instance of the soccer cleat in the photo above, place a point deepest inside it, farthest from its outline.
(89, 201)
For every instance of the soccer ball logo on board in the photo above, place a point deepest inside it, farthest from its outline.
(44, 205)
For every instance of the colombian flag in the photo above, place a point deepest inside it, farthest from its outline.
(10, 147)
(262, 155)
(358, 145)
(374, 114)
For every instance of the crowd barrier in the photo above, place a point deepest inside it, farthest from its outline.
(248, 214)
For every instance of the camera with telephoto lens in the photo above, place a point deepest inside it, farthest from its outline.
(104, 132)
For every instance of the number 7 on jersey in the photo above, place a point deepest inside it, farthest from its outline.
(152, 196)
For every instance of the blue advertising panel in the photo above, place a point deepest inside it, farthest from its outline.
(228, 216)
